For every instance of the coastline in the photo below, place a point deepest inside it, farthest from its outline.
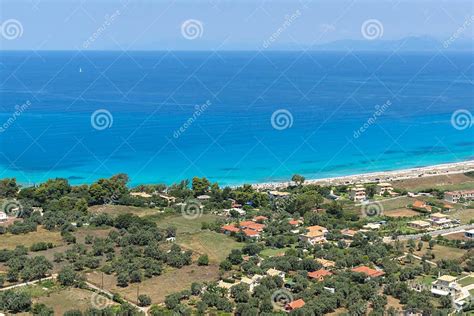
(382, 176)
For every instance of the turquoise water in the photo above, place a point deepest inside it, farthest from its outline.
(229, 139)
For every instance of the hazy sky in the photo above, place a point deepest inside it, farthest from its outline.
(220, 24)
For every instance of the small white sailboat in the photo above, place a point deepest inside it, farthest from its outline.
(80, 69)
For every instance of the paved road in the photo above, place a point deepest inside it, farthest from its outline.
(434, 233)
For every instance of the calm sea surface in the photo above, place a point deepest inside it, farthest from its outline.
(174, 115)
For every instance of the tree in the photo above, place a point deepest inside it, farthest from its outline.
(298, 179)
(196, 288)
(203, 260)
(15, 301)
(200, 186)
(42, 310)
(144, 300)
(431, 243)
(67, 276)
(122, 280)
(8, 188)
(420, 245)
(240, 292)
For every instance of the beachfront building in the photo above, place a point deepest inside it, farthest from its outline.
(456, 196)
(419, 224)
(141, 194)
(357, 193)
(438, 219)
(278, 195)
(383, 188)
(469, 234)
(314, 235)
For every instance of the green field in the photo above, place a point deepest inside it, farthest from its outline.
(185, 225)
(466, 281)
(10, 241)
(216, 246)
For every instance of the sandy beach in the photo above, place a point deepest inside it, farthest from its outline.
(382, 176)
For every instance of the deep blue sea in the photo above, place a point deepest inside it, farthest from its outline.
(223, 102)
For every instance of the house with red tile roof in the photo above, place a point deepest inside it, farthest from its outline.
(294, 305)
(252, 225)
(319, 275)
(260, 218)
(251, 233)
(294, 222)
(369, 272)
(421, 205)
(227, 229)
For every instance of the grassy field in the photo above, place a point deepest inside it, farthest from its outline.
(464, 215)
(401, 212)
(184, 225)
(466, 281)
(216, 246)
(442, 252)
(10, 241)
(121, 209)
(73, 298)
(158, 288)
(270, 252)
(442, 182)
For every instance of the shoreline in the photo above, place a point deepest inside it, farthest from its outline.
(381, 176)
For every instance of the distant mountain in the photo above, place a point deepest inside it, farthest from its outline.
(412, 43)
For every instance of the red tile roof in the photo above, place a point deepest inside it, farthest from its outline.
(252, 225)
(295, 304)
(260, 218)
(368, 271)
(250, 232)
(294, 222)
(319, 274)
(230, 228)
(419, 204)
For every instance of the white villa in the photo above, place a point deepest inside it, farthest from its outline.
(448, 285)
(357, 193)
(381, 188)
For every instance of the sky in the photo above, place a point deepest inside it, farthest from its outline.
(221, 24)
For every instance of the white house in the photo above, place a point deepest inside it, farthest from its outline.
(3, 217)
